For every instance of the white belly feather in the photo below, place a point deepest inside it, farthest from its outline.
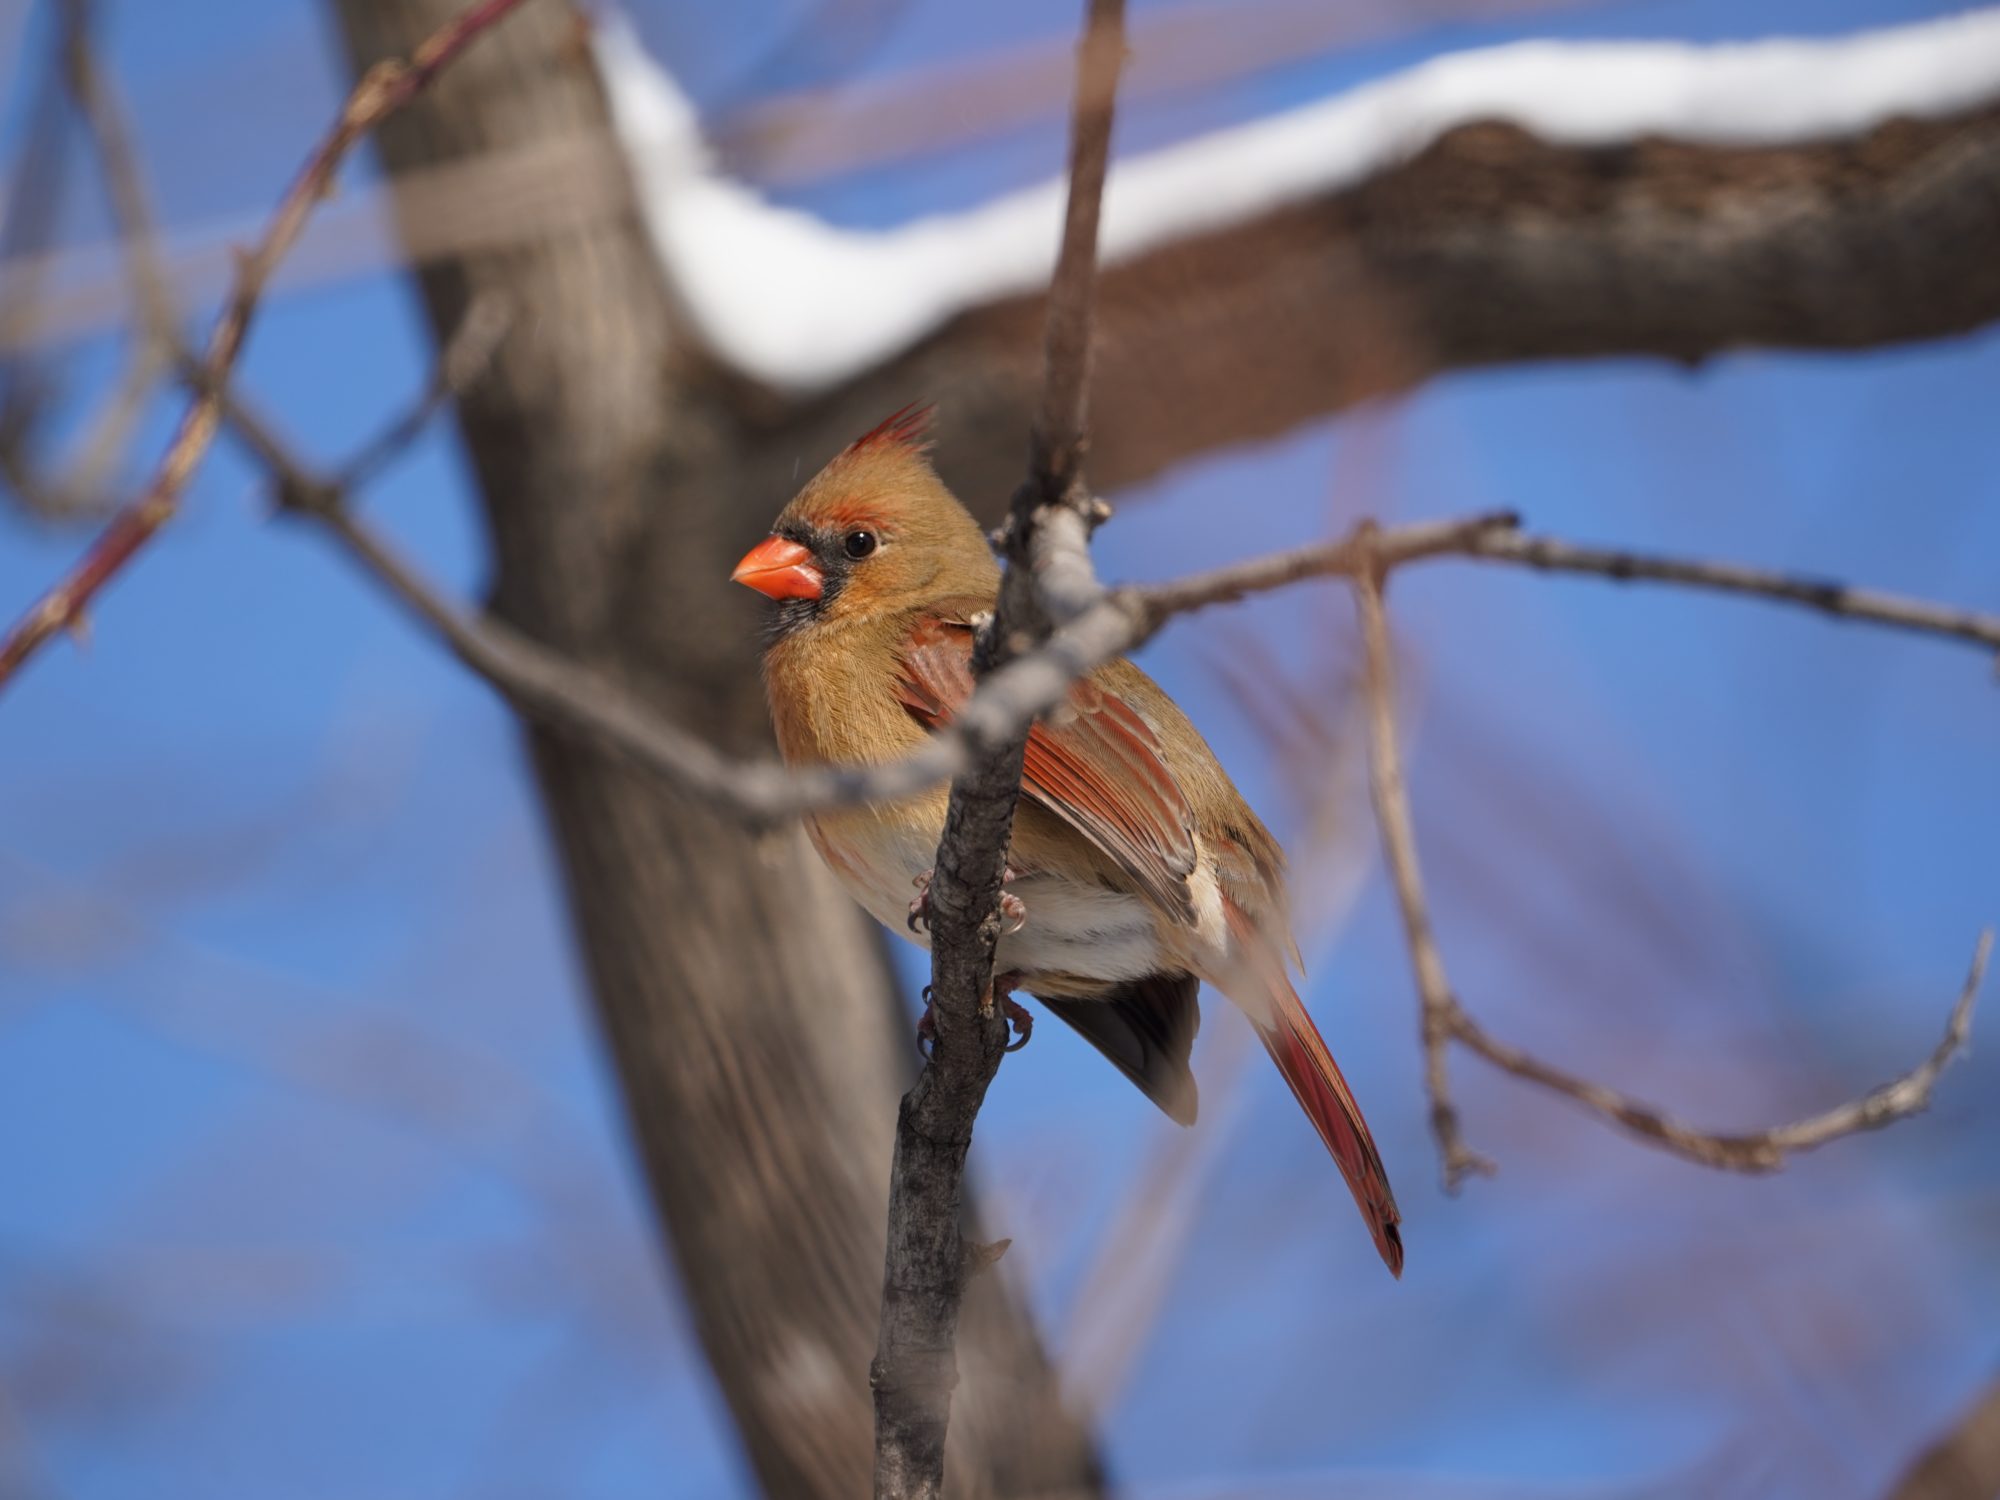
(1072, 928)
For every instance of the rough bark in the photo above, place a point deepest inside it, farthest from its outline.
(746, 1002)
(925, 1275)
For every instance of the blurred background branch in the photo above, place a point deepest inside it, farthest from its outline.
(377, 96)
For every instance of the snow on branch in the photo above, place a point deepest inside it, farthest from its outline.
(794, 301)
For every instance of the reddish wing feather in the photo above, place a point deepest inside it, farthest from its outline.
(1101, 769)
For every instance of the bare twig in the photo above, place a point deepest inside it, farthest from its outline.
(124, 181)
(1437, 1004)
(567, 696)
(1049, 574)
(1756, 1151)
(80, 489)
(1827, 596)
(70, 489)
(471, 346)
(1062, 429)
(1445, 1020)
(386, 88)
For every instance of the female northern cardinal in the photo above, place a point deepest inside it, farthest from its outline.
(1139, 869)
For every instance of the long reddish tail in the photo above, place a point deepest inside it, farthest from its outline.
(1299, 1051)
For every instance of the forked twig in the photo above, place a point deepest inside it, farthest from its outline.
(1444, 1019)
(568, 696)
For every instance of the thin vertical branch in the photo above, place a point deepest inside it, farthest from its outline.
(1062, 426)
(1049, 578)
(1438, 1006)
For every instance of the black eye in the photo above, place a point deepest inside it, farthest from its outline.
(858, 544)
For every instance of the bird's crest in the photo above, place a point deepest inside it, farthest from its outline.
(909, 429)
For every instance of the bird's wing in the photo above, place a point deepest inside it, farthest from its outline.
(1098, 766)
(1147, 1028)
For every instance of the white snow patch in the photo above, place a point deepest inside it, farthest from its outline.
(801, 304)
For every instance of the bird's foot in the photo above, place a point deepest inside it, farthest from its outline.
(1012, 911)
(1020, 1020)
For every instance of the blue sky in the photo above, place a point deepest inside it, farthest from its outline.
(312, 1183)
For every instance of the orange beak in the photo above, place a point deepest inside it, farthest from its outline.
(780, 569)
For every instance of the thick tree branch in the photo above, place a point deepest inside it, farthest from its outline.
(384, 90)
(1445, 1019)
(1491, 246)
(926, 1266)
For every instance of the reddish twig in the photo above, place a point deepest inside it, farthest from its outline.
(386, 88)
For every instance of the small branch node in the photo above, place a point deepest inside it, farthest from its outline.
(982, 1257)
(302, 494)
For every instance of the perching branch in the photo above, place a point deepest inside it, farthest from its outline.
(1444, 1017)
(384, 90)
(567, 695)
(1048, 579)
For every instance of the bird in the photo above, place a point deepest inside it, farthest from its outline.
(1136, 870)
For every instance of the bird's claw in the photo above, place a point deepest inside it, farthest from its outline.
(1020, 1020)
(1013, 911)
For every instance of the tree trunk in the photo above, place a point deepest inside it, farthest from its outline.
(746, 1000)
(1964, 1462)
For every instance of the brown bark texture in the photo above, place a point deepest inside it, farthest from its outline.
(1964, 1462)
(1491, 246)
(746, 1002)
